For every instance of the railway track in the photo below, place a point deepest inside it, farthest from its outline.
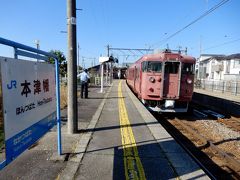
(216, 162)
(231, 122)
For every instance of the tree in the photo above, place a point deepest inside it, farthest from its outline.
(61, 60)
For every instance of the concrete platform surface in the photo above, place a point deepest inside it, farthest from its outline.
(41, 161)
(118, 139)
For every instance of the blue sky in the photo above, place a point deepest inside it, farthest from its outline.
(122, 23)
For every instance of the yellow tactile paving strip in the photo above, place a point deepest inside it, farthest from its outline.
(132, 163)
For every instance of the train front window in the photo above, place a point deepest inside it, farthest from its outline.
(152, 66)
(171, 67)
(188, 68)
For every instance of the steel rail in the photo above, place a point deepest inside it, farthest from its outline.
(194, 157)
(230, 123)
(235, 119)
(234, 164)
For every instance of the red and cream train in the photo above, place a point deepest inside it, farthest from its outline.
(163, 81)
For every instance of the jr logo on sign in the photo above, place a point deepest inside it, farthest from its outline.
(13, 84)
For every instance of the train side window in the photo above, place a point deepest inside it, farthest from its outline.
(171, 67)
(144, 66)
(188, 68)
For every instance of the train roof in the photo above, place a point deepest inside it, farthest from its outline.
(167, 56)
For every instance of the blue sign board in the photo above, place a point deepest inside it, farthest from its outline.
(29, 103)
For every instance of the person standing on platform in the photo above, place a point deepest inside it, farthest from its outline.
(119, 74)
(84, 77)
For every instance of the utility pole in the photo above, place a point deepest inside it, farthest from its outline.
(78, 64)
(200, 46)
(37, 42)
(72, 68)
(108, 47)
(83, 64)
(109, 71)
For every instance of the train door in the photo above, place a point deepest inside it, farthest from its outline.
(171, 80)
(135, 77)
(140, 79)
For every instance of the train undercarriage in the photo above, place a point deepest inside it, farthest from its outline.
(166, 105)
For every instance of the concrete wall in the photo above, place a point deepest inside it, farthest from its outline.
(220, 105)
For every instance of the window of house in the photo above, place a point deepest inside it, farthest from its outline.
(212, 75)
(227, 70)
(236, 63)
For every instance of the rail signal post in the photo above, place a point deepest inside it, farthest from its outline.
(72, 67)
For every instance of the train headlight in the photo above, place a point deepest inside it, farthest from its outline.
(189, 81)
(152, 79)
(151, 89)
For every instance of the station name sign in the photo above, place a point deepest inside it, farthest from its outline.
(29, 103)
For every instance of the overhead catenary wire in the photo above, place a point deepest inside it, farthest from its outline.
(132, 52)
(191, 23)
(222, 44)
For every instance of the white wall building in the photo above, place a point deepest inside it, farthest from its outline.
(219, 67)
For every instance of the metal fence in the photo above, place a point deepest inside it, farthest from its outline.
(231, 87)
(94, 81)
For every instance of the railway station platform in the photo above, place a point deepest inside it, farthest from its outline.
(227, 96)
(118, 139)
(226, 103)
